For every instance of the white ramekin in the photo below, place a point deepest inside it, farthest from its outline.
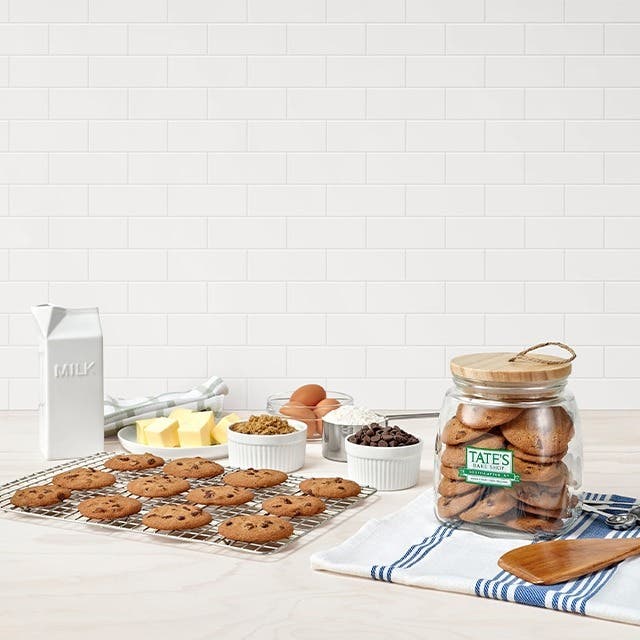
(284, 452)
(385, 468)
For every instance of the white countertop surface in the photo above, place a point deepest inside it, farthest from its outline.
(64, 581)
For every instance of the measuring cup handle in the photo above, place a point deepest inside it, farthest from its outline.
(409, 416)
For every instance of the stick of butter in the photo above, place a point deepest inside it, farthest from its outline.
(195, 429)
(219, 431)
(162, 432)
(180, 414)
(141, 425)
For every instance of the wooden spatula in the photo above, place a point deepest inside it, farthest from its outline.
(562, 560)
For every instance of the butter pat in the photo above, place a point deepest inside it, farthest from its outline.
(162, 432)
(195, 429)
(180, 414)
(141, 425)
(219, 431)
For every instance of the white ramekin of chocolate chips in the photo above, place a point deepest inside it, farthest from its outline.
(383, 457)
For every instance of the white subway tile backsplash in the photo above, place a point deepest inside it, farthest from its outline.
(83, 168)
(445, 200)
(290, 329)
(167, 39)
(409, 233)
(246, 297)
(254, 39)
(174, 233)
(564, 297)
(42, 265)
(479, 232)
(445, 71)
(410, 297)
(414, 361)
(350, 191)
(526, 200)
(205, 71)
(205, 264)
(508, 264)
(361, 329)
(48, 200)
(128, 71)
(444, 264)
(437, 329)
(205, 329)
(564, 233)
(283, 264)
(91, 233)
(326, 39)
(86, 39)
(484, 168)
(363, 264)
(310, 362)
(405, 39)
(286, 200)
(123, 264)
(283, 135)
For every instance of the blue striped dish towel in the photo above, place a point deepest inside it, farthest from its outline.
(411, 547)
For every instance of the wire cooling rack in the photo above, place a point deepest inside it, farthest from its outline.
(68, 509)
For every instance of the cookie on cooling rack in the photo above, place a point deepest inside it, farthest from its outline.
(330, 487)
(176, 517)
(255, 528)
(255, 478)
(84, 478)
(292, 506)
(134, 462)
(220, 495)
(158, 486)
(109, 507)
(193, 468)
(43, 495)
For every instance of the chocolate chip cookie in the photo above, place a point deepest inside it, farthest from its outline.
(478, 417)
(454, 432)
(545, 496)
(292, 506)
(535, 472)
(255, 478)
(330, 487)
(109, 507)
(159, 486)
(530, 457)
(531, 524)
(193, 468)
(544, 431)
(451, 506)
(492, 505)
(220, 495)
(449, 472)
(133, 462)
(43, 495)
(84, 478)
(175, 517)
(450, 488)
(255, 528)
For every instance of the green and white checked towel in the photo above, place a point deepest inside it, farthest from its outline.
(119, 412)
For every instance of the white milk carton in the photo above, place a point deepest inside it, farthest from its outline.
(71, 381)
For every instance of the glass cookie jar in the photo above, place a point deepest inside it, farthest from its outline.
(509, 449)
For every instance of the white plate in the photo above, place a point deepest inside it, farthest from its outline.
(127, 437)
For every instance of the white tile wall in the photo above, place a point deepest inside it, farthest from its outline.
(350, 191)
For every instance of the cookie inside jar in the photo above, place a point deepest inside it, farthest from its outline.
(509, 450)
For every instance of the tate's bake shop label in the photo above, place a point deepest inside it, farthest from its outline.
(489, 467)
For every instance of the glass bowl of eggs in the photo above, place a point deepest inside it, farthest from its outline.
(309, 404)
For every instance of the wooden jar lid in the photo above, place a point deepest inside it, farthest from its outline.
(499, 367)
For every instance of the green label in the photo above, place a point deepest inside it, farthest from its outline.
(490, 467)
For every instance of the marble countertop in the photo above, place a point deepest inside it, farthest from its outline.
(63, 581)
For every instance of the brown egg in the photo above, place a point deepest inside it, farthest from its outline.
(301, 413)
(308, 395)
(324, 406)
